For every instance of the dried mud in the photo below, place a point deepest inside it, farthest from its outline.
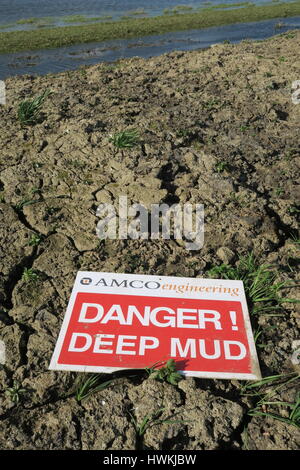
(217, 127)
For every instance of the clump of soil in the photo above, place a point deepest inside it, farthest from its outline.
(218, 127)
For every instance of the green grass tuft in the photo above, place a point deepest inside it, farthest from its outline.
(29, 275)
(29, 110)
(35, 240)
(269, 387)
(260, 284)
(15, 392)
(94, 383)
(126, 139)
(148, 421)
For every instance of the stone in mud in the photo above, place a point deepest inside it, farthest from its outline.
(225, 254)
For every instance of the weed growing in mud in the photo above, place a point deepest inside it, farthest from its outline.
(125, 139)
(279, 191)
(183, 133)
(29, 110)
(259, 283)
(244, 128)
(29, 275)
(294, 210)
(15, 391)
(187, 136)
(168, 373)
(261, 388)
(256, 334)
(148, 421)
(267, 388)
(293, 418)
(91, 385)
(211, 104)
(221, 166)
(35, 240)
(295, 240)
(24, 202)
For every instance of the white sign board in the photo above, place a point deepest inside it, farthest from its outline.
(131, 321)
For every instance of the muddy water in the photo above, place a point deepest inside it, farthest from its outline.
(70, 58)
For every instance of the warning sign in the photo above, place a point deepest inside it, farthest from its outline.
(131, 321)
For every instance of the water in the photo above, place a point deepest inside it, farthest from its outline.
(55, 10)
(70, 58)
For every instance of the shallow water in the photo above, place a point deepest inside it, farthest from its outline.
(72, 57)
(13, 10)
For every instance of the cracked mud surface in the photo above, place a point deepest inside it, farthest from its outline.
(226, 108)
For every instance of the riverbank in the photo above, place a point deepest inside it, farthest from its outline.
(216, 127)
(16, 41)
(73, 57)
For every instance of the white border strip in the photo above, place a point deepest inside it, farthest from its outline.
(206, 374)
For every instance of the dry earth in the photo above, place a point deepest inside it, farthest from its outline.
(217, 127)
